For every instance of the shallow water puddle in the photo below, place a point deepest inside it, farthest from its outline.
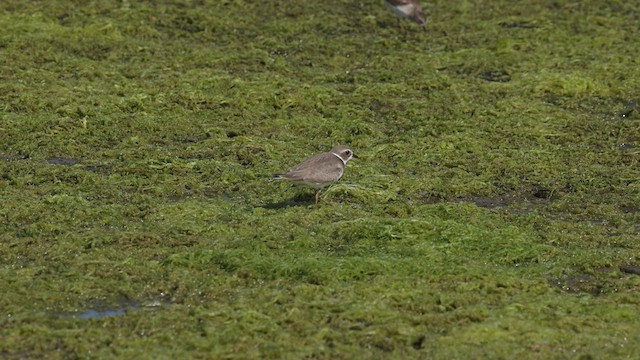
(96, 314)
(103, 312)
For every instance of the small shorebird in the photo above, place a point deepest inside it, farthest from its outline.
(320, 170)
(408, 9)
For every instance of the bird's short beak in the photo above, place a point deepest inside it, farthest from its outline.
(355, 156)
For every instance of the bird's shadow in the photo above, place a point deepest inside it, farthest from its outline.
(294, 201)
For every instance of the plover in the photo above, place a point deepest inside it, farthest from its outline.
(408, 9)
(320, 170)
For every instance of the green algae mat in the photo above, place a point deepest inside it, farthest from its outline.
(494, 211)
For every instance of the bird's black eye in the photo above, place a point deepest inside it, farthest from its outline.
(348, 152)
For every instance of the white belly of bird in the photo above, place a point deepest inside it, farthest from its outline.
(402, 10)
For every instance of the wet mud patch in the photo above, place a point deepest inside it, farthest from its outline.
(630, 269)
(98, 169)
(610, 109)
(14, 157)
(491, 202)
(577, 283)
(622, 147)
(515, 202)
(629, 208)
(64, 161)
(600, 281)
(496, 76)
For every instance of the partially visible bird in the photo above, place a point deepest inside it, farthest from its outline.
(320, 170)
(408, 9)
